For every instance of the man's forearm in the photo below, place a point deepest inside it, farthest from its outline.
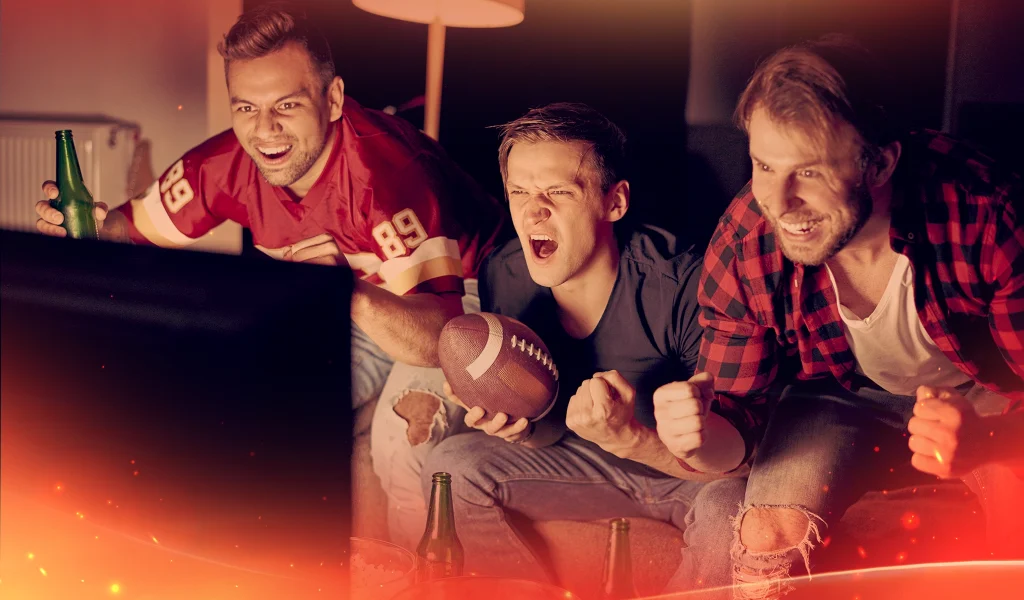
(723, 447)
(115, 228)
(406, 327)
(644, 446)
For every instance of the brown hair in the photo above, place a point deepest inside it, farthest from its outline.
(816, 85)
(569, 122)
(267, 28)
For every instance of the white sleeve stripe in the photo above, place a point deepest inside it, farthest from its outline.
(435, 247)
(158, 217)
(367, 262)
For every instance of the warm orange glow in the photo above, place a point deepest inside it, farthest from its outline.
(31, 556)
(910, 521)
(154, 539)
(115, 588)
(43, 571)
(938, 457)
(452, 13)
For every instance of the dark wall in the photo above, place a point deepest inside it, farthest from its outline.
(629, 64)
(633, 60)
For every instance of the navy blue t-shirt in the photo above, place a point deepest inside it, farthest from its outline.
(649, 331)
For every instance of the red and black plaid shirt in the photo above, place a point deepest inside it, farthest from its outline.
(961, 224)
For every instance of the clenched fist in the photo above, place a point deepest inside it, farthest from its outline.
(947, 436)
(601, 411)
(681, 410)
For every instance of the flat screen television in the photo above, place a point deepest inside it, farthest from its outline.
(174, 424)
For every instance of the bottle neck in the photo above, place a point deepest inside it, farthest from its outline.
(69, 172)
(618, 553)
(618, 570)
(441, 516)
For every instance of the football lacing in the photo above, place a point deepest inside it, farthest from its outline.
(540, 356)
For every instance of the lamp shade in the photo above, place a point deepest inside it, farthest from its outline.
(451, 13)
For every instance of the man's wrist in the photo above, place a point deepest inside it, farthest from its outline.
(630, 439)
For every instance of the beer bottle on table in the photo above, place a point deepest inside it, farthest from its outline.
(439, 553)
(618, 568)
(74, 201)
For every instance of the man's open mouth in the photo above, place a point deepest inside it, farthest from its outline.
(275, 153)
(800, 227)
(543, 246)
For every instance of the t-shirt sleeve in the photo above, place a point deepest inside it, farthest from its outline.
(688, 331)
(178, 208)
(485, 287)
(411, 225)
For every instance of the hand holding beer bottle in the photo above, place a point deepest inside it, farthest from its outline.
(73, 202)
(51, 220)
(69, 207)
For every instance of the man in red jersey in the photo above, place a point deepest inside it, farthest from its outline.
(318, 178)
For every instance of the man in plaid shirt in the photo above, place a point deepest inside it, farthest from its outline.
(876, 280)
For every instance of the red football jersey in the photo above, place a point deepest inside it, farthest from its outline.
(401, 211)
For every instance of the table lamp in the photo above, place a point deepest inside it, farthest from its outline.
(439, 14)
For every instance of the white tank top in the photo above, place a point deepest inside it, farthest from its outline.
(891, 346)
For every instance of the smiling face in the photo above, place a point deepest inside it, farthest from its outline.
(282, 116)
(558, 208)
(815, 198)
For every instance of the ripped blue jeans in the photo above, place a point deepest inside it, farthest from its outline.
(824, 448)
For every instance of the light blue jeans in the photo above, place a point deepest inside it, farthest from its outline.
(371, 366)
(824, 448)
(575, 480)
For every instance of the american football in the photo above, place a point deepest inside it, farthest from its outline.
(498, 364)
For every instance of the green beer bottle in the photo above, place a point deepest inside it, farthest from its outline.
(74, 202)
(439, 553)
(618, 567)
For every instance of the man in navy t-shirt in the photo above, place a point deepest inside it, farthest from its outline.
(617, 308)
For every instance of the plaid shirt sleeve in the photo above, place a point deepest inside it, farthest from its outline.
(738, 346)
(1006, 310)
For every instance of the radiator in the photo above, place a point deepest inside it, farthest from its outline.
(28, 157)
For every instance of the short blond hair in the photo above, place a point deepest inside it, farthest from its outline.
(569, 122)
(818, 85)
